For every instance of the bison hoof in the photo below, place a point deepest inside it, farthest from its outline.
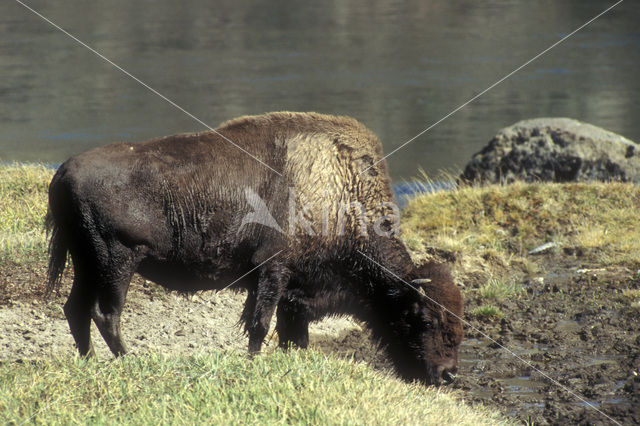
(254, 345)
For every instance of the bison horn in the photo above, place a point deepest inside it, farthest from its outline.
(421, 281)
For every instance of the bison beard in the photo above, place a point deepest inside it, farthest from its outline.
(174, 210)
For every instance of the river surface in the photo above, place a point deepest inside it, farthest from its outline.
(399, 67)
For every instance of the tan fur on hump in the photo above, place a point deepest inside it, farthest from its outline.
(288, 121)
(326, 156)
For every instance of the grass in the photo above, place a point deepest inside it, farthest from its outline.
(632, 297)
(304, 387)
(23, 195)
(491, 229)
(496, 289)
(487, 311)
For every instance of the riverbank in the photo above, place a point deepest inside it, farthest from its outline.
(188, 347)
(551, 279)
(569, 312)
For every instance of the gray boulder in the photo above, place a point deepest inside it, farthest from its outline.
(556, 150)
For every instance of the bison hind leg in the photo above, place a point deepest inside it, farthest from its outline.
(77, 309)
(111, 277)
(109, 326)
(106, 313)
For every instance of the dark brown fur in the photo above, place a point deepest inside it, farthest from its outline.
(172, 209)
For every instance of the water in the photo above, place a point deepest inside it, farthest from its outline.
(396, 66)
(527, 387)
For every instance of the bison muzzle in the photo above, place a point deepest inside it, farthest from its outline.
(193, 212)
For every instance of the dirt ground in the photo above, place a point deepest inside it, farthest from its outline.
(571, 348)
(573, 341)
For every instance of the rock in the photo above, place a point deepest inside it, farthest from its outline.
(554, 150)
(544, 248)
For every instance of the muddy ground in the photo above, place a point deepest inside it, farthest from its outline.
(572, 339)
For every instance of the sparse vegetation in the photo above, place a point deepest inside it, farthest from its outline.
(496, 289)
(491, 229)
(487, 311)
(304, 387)
(632, 296)
(23, 191)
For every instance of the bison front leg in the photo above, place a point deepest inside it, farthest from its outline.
(293, 321)
(272, 283)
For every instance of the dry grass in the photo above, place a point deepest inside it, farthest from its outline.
(632, 297)
(23, 205)
(491, 229)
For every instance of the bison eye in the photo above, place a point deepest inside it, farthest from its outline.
(427, 322)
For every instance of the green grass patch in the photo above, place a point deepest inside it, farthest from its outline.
(23, 195)
(487, 311)
(225, 388)
(496, 289)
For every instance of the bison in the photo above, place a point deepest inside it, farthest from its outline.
(311, 231)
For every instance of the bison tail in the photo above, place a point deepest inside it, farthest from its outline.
(57, 253)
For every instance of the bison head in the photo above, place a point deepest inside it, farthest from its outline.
(424, 313)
